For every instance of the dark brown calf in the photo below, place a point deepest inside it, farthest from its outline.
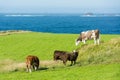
(32, 62)
(64, 56)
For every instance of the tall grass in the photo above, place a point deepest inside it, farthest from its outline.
(107, 52)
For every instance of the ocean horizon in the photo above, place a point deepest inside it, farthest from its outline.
(61, 23)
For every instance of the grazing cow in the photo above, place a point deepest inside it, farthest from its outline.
(32, 62)
(64, 56)
(88, 35)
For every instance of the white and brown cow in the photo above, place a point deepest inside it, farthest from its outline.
(88, 35)
(32, 62)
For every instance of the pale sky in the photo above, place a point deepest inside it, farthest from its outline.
(59, 6)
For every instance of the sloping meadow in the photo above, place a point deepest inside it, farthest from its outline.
(15, 47)
(105, 53)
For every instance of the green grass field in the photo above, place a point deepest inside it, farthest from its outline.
(94, 72)
(94, 62)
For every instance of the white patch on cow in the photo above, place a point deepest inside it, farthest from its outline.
(77, 42)
(84, 42)
(30, 70)
(83, 32)
(27, 70)
(86, 33)
(35, 68)
(74, 50)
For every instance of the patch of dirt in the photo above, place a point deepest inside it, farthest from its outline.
(9, 32)
(10, 65)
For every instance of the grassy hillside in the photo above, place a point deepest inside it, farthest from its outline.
(94, 62)
(107, 52)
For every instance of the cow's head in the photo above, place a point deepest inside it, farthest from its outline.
(75, 52)
(77, 41)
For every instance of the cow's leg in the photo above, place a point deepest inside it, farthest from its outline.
(64, 62)
(94, 41)
(30, 68)
(74, 62)
(84, 41)
(27, 69)
(71, 63)
(98, 41)
(35, 67)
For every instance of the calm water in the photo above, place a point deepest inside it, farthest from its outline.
(60, 24)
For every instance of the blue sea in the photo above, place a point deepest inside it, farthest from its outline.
(107, 24)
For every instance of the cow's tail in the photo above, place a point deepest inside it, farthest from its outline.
(55, 55)
(98, 37)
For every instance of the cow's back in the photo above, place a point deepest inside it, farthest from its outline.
(86, 35)
(90, 34)
(59, 55)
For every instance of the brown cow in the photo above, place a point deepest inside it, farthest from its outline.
(88, 35)
(64, 56)
(32, 62)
